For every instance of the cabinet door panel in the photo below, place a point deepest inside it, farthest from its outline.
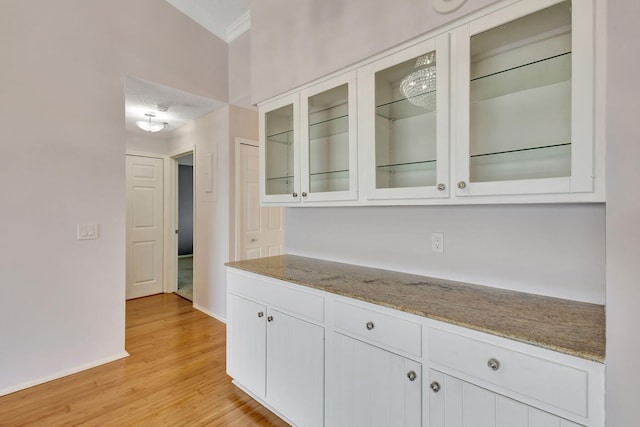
(246, 343)
(373, 387)
(295, 368)
(461, 404)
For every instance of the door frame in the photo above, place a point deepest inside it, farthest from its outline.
(171, 209)
(238, 167)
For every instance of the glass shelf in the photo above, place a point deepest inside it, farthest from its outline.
(550, 161)
(329, 172)
(334, 126)
(401, 109)
(539, 73)
(285, 137)
(280, 178)
(411, 174)
(329, 181)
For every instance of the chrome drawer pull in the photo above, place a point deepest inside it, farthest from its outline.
(370, 325)
(435, 387)
(411, 375)
(493, 364)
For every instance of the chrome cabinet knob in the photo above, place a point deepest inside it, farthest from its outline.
(260, 314)
(412, 375)
(370, 325)
(269, 318)
(493, 364)
(441, 187)
(462, 185)
(435, 387)
(304, 194)
(295, 194)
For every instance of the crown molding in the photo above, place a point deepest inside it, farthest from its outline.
(239, 27)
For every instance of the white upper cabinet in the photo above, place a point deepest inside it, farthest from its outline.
(525, 96)
(503, 106)
(308, 144)
(404, 122)
(279, 150)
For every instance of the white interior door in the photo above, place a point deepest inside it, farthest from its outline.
(260, 230)
(144, 226)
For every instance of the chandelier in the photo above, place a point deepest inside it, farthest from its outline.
(419, 87)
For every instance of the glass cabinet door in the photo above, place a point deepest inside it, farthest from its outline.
(408, 122)
(328, 140)
(279, 151)
(517, 117)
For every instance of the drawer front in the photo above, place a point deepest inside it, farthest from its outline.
(270, 292)
(555, 384)
(379, 328)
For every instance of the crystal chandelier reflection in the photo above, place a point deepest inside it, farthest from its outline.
(419, 87)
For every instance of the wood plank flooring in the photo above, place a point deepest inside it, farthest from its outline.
(175, 375)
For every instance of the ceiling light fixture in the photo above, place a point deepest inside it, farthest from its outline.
(419, 87)
(149, 126)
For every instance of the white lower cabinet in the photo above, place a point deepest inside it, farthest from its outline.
(456, 403)
(374, 387)
(316, 358)
(276, 356)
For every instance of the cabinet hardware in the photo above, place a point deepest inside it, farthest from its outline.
(435, 387)
(269, 318)
(493, 364)
(462, 185)
(411, 375)
(441, 187)
(370, 325)
(304, 194)
(295, 194)
(260, 314)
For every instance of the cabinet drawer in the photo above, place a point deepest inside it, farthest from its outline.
(274, 294)
(553, 383)
(380, 328)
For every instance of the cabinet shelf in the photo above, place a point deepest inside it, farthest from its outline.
(279, 178)
(534, 74)
(405, 165)
(400, 109)
(326, 128)
(329, 172)
(285, 137)
(519, 150)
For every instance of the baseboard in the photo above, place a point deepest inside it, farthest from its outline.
(210, 314)
(61, 374)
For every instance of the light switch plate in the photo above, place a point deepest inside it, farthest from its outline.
(87, 231)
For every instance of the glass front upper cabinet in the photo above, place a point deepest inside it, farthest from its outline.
(525, 115)
(279, 150)
(328, 140)
(405, 115)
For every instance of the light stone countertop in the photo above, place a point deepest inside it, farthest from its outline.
(566, 326)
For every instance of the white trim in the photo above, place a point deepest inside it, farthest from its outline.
(63, 373)
(239, 27)
(209, 313)
(239, 141)
(171, 213)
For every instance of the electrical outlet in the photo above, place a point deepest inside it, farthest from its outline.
(437, 242)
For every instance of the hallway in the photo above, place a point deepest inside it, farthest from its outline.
(175, 375)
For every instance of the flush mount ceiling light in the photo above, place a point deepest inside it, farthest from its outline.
(149, 126)
(419, 87)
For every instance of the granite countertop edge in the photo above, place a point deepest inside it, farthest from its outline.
(288, 268)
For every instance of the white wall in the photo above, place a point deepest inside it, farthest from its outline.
(240, 71)
(62, 163)
(555, 250)
(209, 135)
(295, 42)
(144, 142)
(623, 215)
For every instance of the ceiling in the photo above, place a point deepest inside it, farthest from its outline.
(224, 18)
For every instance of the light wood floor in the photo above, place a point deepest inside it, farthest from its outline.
(175, 376)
